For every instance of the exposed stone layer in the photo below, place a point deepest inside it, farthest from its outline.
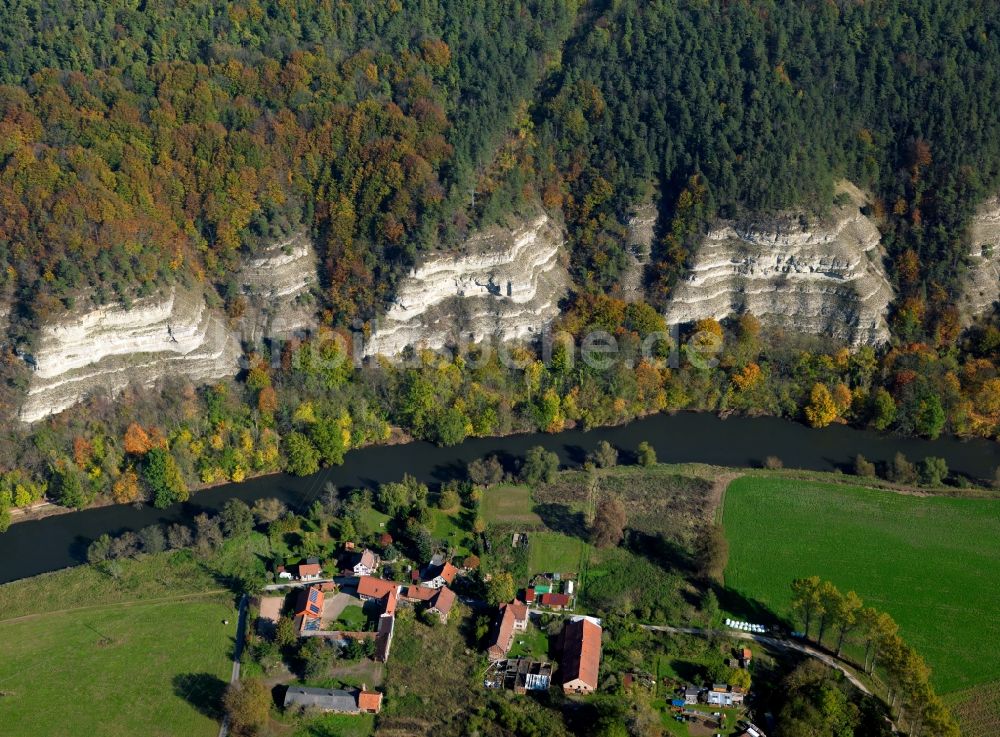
(641, 229)
(277, 283)
(982, 282)
(504, 285)
(108, 348)
(821, 277)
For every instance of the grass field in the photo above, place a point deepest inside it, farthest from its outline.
(352, 619)
(153, 669)
(552, 552)
(930, 562)
(509, 504)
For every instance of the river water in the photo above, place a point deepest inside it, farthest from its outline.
(48, 544)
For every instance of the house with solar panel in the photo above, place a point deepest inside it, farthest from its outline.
(309, 610)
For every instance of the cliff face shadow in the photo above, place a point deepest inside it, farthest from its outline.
(202, 690)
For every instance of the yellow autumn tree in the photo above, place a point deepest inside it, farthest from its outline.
(821, 410)
(126, 487)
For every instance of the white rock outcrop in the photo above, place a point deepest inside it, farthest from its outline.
(277, 283)
(981, 288)
(108, 348)
(641, 230)
(503, 285)
(824, 277)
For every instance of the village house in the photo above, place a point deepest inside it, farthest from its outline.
(581, 656)
(554, 601)
(692, 695)
(439, 573)
(338, 700)
(375, 588)
(367, 563)
(513, 618)
(309, 610)
(310, 570)
(439, 601)
(723, 695)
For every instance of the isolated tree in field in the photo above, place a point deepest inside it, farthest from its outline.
(821, 410)
(248, 706)
(486, 471)
(604, 455)
(237, 519)
(713, 553)
(540, 466)
(646, 454)
(449, 500)
(608, 526)
(500, 589)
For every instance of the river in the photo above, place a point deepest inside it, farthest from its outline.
(51, 543)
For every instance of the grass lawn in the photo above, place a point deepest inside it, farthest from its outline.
(930, 562)
(452, 527)
(375, 519)
(552, 552)
(534, 643)
(150, 669)
(352, 619)
(337, 725)
(510, 504)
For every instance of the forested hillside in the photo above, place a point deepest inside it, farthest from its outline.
(737, 107)
(142, 145)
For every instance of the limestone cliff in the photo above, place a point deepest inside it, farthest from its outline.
(982, 282)
(503, 284)
(107, 348)
(821, 276)
(641, 230)
(277, 283)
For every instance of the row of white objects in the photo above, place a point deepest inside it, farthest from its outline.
(745, 626)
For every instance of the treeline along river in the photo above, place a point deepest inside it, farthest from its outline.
(51, 543)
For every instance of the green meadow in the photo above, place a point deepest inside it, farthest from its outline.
(930, 562)
(153, 668)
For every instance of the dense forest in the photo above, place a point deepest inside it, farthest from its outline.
(145, 146)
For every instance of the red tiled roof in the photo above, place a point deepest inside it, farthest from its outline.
(420, 593)
(444, 600)
(581, 658)
(370, 701)
(310, 602)
(375, 588)
(390, 602)
(448, 573)
(309, 569)
(554, 600)
(529, 596)
(505, 634)
(747, 653)
(520, 610)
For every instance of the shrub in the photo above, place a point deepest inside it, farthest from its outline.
(773, 463)
(863, 467)
(646, 454)
(604, 455)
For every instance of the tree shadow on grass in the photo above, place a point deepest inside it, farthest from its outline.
(203, 691)
(560, 518)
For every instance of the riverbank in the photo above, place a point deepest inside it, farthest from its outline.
(687, 437)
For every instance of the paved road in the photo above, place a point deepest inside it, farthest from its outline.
(767, 640)
(237, 652)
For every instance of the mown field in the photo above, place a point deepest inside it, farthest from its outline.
(510, 503)
(930, 562)
(152, 668)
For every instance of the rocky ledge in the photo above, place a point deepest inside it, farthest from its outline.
(820, 276)
(106, 349)
(504, 284)
(982, 281)
(278, 283)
